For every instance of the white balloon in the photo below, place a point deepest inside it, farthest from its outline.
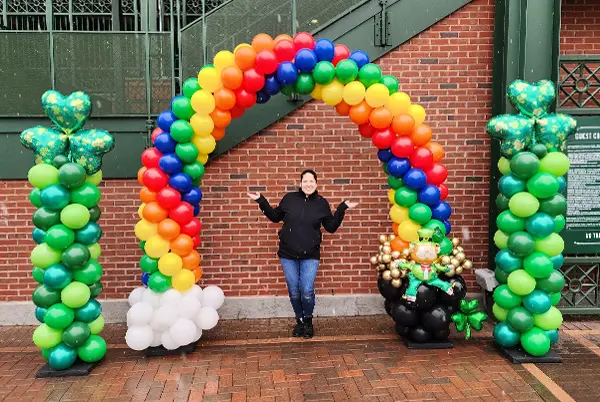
(213, 297)
(164, 317)
(188, 307)
(170, 296)
(183, 331)
(139, 337)
(196, 291)
(157, 341)
(198, 334)
(151, 298)
(140, 314)
(136, 295)
(207, 318)
(168, 342)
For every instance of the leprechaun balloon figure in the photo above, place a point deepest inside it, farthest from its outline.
(532, 209)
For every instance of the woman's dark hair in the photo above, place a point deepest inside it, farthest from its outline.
(308, 171)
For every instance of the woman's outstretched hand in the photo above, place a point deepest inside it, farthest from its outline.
(254, 196)
(351, 204)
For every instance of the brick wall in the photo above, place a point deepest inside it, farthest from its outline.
(580, 27)
(447, 69)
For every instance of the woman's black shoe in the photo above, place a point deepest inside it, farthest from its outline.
(308, 328)
(298, 330)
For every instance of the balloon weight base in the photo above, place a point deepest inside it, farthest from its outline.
(518, 356)
(161, 351)
(428, 345)
(78, 369)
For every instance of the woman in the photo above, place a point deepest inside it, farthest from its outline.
(303, 212)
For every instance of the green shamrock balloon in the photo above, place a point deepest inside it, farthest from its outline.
(532, 100)
(468, 317)
(553, 129)
(89, 146)
(46, 143)
(68, 113)
(514, 131)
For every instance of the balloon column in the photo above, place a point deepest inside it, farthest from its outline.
(531, 217)
(65, 180)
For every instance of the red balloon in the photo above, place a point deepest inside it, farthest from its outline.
(237, 112)
(382, 139)
(366, 130)
(244, 99)
(422, 158)
(402, 147)
(155, 179)
(155, 133)
(443, 191)
(196, 241)
(253, 81)
(304, 40)
(151, 157)
(182, 213)
(341, 52)
(284, 50)
(266, 62)
(192, 228)
(437, 174)
(168, 198)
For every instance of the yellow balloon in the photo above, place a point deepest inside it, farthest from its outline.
(183, 281)
(203, 102)
(145, 230)
(209, 79)
(205, 144)
(408, 230)
(398, 214)
(391, 194)
(140, 209)
(354, 93)
(332, 93)
(504, 165)
(317, 92)
(418, 113)
(95, 178)
(170, 264)
(223, 59)
(156, 246)
(377, 95)
(398, 103)
(202, 158)
(202, 125)
(241, 45)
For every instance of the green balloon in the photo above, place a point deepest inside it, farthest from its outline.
(555, 298)
(55, 197)
(346, 71)
(59, 316)
(551, 246)
(304, 84)
(148, 264)
(523, 205)
(555, 205)
(62, 357)
(97, 325)
(506, 299)
(385, 168)
(95, 178)
(539, 150)
(554, 283)
(87, 194)
(535, 342)
(42, 175)
(46, 353)
(95, 289)
(59, 160)
(542, 185)
(57, 277)
(434, 223)
(181, 131)
(559, 223)
(324, 73)
(187, 152)
(390, 82)
(524, 165)
(510, 185)
(287, 90)
(420, 213)
(76, 334)
(43, 256)
(194, 170)
(555, 163)
(196, 182)
(500, 313)
(507, 261)
(538, 265)
(45, 297)
(142, 244)
(75, 295)
(500, 239)
(75, 256)
(94, 213)
(44, 218)
(510, 223)
(395, 182)
(520, 319)
(71, 175)
(502, 202)
(369, 74)
(159, 283)
(190, 86)
(539, 225)
(95, 251)
(38, 274)
(93, 350)
(182, 107)
(34, 197)
(89, 234)
(520, 282)
(75, 216)
(45, 337)
(446, 246)
(91, 273)
(89, 311)
(38, 235)
(59, 237)
(551, 319)
(501, 276)
(521, 244)
(405, 197)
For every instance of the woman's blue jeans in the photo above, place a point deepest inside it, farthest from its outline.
(300, 278)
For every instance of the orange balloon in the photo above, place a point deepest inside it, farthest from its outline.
(221, 118)
(141, 172)
(395, 228)
(192, 260)
(197, 273)
(224, 98)
(421, 135)
(154, 213)
(342, 108)
(381, 117)
(360, 113)
(168, 229)
(283, 37)
(403, 124)
(398, 244)
(147, 196)
(232, 78)
(218, 133)
(182, 245)
(263, 42)
(245, 57)
(437, 150)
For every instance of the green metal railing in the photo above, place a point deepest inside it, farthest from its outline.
(579, 84)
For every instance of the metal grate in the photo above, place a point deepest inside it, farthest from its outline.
(579, 84)
(312, 14)
(161, 72)
(581, 286)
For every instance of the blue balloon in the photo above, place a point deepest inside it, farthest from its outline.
(193, 196)
(398, 167)
(507, 262)
(196, 210)
(181, 182)
(57, 276)
(553, 335)
(447, 226)
(165, 143)
(505, 336)
(38, 235)
(62, 357)
(429, 195)
(165, 119)
(562, 184)
(509, 185)
(359, 57)
(441, 211)
(170, 164)
(287, 73)
(324, 49)
(557, 261)
(272, 86)
(415, 179)
(262, 97)
(305, 60)
(145, 277)
(537, 302)
(540, 225)
(385, 155)
(40, 313)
